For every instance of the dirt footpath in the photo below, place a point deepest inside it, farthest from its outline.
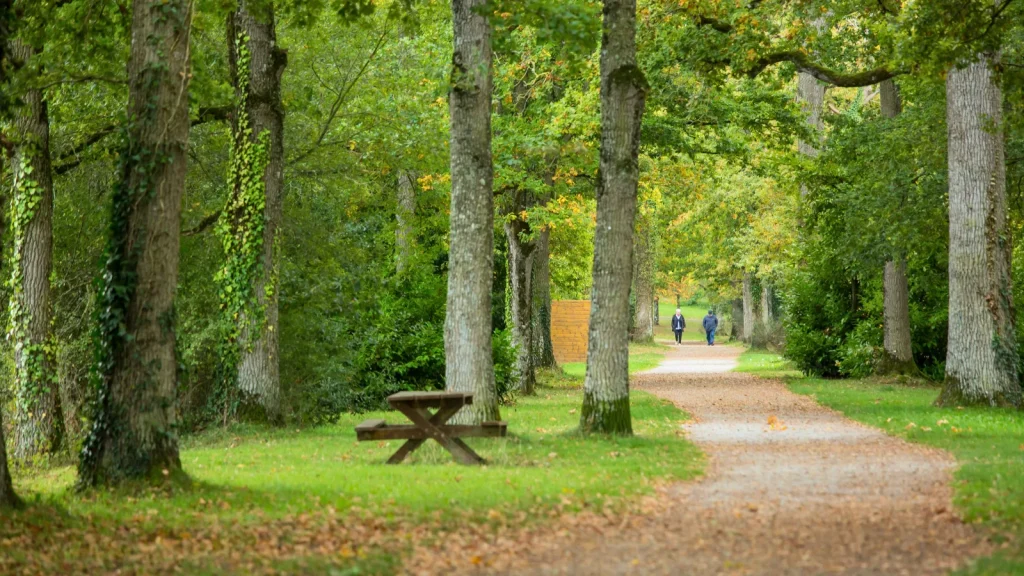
(791, 488)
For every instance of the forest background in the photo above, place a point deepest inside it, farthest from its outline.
(731, 209)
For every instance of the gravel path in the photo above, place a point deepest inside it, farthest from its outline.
(791, 488)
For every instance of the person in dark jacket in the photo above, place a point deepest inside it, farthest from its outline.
(678, 325)
(710, 325)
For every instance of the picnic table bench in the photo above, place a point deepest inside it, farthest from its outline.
(416, 406)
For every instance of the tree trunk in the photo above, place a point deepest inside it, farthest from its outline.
(736, 330)
(657, 312)
(898, 356)
(258, 369)
(981, 359)
(544, 351)
(748, 308)
(520, 266)
(643, 286)
(623, 95)
(134, 434)
(767, 315)
(404, 214)
(8, 498)
(811, 95)
(38, 423)
(467, 330)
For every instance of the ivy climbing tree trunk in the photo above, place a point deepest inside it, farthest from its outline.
(404, 213)
(898, 355)
(259, 117)
(748, 308)
(643, 283)
(8, 498)
(38, 423)
(467, 329)
(134, 433)
(623, 95)
(520, 266)
(981, 358)
(544, 351)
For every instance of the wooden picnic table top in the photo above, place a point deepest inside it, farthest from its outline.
(430, 399)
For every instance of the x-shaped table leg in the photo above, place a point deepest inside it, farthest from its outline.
(429, 424)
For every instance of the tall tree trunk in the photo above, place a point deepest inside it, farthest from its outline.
(643, 286)
(623, 95)
(981, 359)
(898, 355)
(520, 267)
(258, 368)
(736, 330)
(748, 308)
(8, 498)
(543, 350)
(811, 95)
(38, 423)
(767, 315)
(134, 434)
(467, 329)
(404, 214)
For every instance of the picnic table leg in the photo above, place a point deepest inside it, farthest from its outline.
(455, 446)
(409, 447)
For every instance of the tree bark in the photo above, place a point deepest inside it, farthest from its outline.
(736, 331)
(520, 266)
(8, 498)
(897, 353)
(259, 377)
(467, 331)
(981, 359)
(404, 214)
(643, 286)
(544, 351)
(623, 95)
(38, 423)
(767, 315)
(748, 308)
(135, 431)
(811, 95)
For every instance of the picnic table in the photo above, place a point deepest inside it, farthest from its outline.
(416, 406)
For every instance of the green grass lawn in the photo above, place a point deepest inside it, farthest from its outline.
(246, 477)
(641, 357)
(988, 444)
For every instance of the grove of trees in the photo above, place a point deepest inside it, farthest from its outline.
(282, 210)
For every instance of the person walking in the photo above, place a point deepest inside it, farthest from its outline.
(710, 325)
(678, 325)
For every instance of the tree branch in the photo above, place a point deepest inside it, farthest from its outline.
(63, 165)
(839, 79)
(203, 225)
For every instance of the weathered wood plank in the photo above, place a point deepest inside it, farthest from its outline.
(430, 399)
(370, 424)
(410, 431)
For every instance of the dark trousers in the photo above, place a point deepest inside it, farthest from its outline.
(711, 337)
(679, 336)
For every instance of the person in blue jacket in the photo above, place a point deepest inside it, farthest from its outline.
(710, 325)
(678, 324)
